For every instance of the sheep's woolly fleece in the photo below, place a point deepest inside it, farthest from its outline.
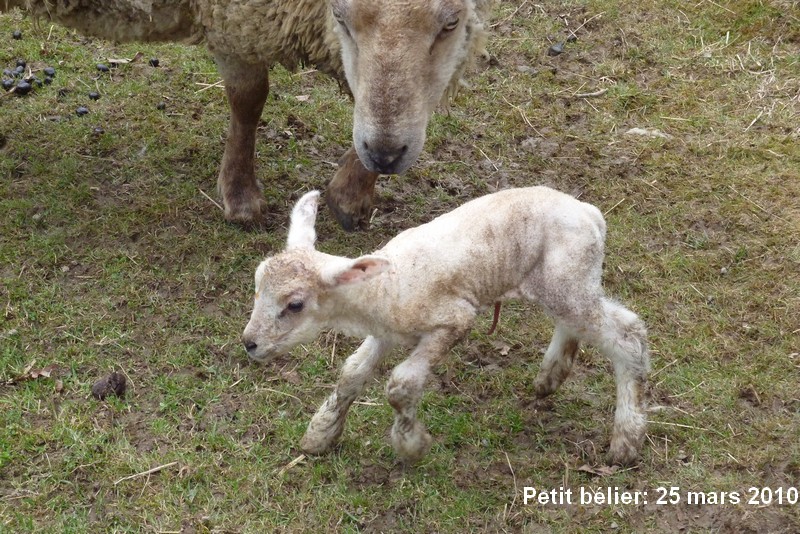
(289, 32)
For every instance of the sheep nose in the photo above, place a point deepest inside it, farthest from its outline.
(250, 346)
(385, 160)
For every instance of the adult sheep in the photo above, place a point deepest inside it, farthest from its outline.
(400, 58)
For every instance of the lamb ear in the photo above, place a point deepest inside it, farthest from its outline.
(301, 225)
(355, 271)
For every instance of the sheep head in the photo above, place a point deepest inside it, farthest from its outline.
(399, 58)
(295, 293)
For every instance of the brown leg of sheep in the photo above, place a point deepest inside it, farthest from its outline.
(350, 193)
(247, 87)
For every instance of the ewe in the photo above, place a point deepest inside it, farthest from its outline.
(400, 58)
(424, 290)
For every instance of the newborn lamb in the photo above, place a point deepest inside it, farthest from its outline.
(424, 290)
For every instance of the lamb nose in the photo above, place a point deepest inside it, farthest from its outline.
(250, 346)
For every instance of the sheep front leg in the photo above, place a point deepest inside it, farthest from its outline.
(247, 87)
(404, 390)
(327, 424)
(349, 195)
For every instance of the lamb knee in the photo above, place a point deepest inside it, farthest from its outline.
(557, 363)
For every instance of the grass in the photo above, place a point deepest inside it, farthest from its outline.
(111, 258)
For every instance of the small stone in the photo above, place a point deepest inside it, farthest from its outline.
(154, 62)
(16, 34)
(102, 67)
(18, 71)
(48, 80)
(556, 49)
(8, 84)
(723, 271)
(94, 95)
(161, 106)
(21, 63)
(81, 111)
(98, 130)
(8, 73)
(49, 71)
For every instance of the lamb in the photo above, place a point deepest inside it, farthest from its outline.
(399, 58)
(426, 286)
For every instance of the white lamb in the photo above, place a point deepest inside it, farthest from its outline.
(424, 290)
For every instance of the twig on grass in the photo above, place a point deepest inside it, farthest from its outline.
(211, 199)
(524, 116)
(291, 464)
(148, 472)
(689, 427)
(207, 86)
(487, 157)
(511, 16)
(612, 207)
(282, 393)
(599, 92)
(585, 22)
(516, 489)
(754, 203)
(760, 113)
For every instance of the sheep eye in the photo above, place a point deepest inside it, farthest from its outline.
(295, 306)
(450, 25)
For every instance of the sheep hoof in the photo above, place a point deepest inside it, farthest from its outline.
(247, 209)
(350, 192)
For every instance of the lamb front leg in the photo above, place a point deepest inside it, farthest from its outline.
(410, 440)
(351, 191)
(327, 424)
(247, 87)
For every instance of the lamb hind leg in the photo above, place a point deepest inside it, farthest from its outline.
(327, 424)
(247, 87)
(622, 337)
(350, 193)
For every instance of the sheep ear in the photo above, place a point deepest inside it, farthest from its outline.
(355, 271)
(301, 225)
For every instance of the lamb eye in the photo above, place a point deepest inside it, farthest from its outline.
(295, 306)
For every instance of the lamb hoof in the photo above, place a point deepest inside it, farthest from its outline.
(624, 458)
(349, 195)
(315, 443)
(622, 452)
(411, 446)
(542, 387)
